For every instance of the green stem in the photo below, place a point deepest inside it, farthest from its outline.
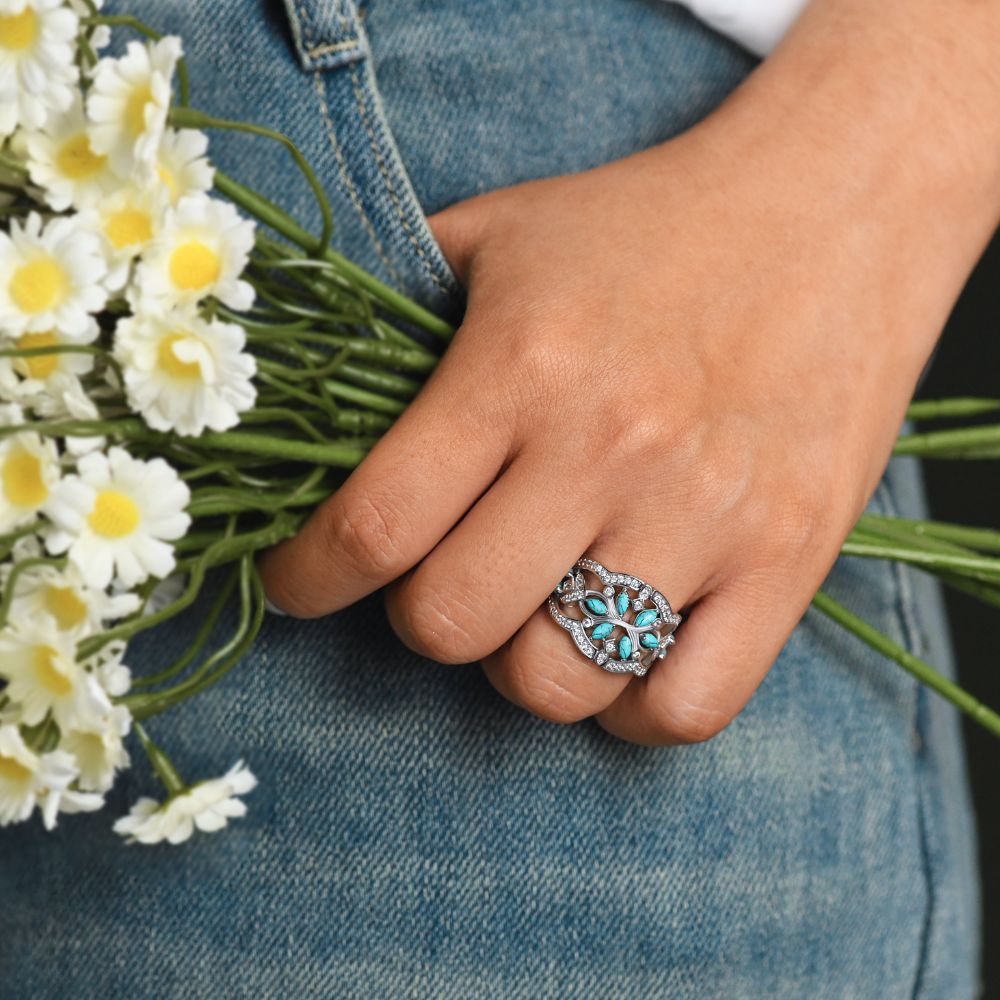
(962, 442)
(270, 214)
(977, 567)
(913, 665)
(942, 409)
(983, 539)
(163, 766)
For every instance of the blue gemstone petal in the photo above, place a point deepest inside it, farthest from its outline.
(622, 603)
(644, 618)
(596, 605)
(649, 640)
(602, 631)
(624, 647)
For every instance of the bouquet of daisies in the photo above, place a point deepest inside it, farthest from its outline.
(185, 372)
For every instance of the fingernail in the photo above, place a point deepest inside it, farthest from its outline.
(274, 609)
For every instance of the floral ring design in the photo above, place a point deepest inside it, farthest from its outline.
(624, 626)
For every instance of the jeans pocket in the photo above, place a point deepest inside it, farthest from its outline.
(331, 44)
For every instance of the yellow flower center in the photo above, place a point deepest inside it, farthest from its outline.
(169, 181)
(39, 366)
(18, 31)
(194, 266)
(38, 286)
(114, 515)
(135, 109)
(65, 606)
(77, 160)
(129, 227)
(168, 361)
(23, 482)
(49, 673)
(13, 770)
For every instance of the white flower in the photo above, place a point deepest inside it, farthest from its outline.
(128, 105)
(99, 753)
(65, 397)
(63, 164)
(24, 377)
(182, 165)
(184, 373)
(63, 597)
(209, 806)
(43, 675)
(128, 221)
(27, 780)
(117, 517)
(51, 278)
(29, 470)
(100, 34)
(202, 251)
(37, 68)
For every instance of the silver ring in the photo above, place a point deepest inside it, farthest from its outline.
(624, 627)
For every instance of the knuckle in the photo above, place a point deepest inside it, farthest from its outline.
(369, 533)
(680, 721)
(541, 692)
(439, 627)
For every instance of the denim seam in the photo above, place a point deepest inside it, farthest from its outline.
(346, 181)
(390, 186)
(324, 50)
(913, 641)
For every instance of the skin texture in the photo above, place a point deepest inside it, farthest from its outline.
(691, 364)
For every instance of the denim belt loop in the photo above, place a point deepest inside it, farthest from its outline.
(326, 33)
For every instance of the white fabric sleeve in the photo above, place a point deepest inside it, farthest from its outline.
(758, 25)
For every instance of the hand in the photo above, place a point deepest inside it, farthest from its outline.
(690, 364)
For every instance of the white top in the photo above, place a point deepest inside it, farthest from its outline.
(757, 25)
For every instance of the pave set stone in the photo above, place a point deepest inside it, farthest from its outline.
(619, 631)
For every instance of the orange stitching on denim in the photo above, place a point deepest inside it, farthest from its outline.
(326, 50)
(390, 187)
(352, 192)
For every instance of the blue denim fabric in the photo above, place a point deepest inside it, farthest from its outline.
(413, 834)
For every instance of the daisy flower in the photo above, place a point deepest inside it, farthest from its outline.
(63, 597)
(37, 68)
(100, 35)
(29, 470)
(116, 518)
(51, 278)
(100, 753)
(182, 165)
(21, 378)
(43, 675)
(201, 251)
(208, 805)
(28, 779)
(128, 105)
(128, 221)
(184, 373)
(62, 162)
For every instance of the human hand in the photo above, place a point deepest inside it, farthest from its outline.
(690, 364)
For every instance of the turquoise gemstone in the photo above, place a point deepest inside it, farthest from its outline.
(649, 640)
(603, 630)
(624, 647)
(622, 603)
(596, 605)
(644, 618)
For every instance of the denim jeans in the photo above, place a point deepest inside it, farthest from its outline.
(413, 834)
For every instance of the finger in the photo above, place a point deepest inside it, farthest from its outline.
(542, 670)
(420, 478)
(481, 583)
(723, 651)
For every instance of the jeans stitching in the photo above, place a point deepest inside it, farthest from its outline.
(390, 187)
(913, 641)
